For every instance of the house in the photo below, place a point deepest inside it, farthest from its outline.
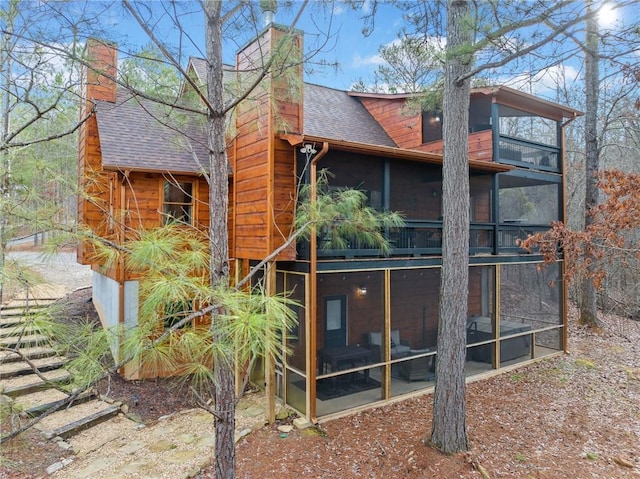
(368, 321)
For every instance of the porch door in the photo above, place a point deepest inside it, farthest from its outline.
(335, 321)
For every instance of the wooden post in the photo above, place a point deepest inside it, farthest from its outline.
(269, 360)
(238, 368)
(386, 339)
(496, 360)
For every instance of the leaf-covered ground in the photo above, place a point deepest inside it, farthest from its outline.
(576, 416)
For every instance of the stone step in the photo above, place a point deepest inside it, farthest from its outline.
(10, 313)
(30, 303)
(13, 320)
(38, 403)
(35, 352)
(38, 399)
(19, 368)
(27, 340)
(72, 420)
(28, 383)
(44, 291)
(24, 328)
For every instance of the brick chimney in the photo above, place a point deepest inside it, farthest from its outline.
(103, 60)
(264, 164)
(95, 184)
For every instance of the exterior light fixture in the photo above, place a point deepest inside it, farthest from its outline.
(308, 149)
(362, 290)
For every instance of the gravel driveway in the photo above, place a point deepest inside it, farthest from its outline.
(60, 268)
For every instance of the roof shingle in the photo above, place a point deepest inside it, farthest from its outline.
(334, 114)
(137, 134)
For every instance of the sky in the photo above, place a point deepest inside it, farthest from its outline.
(356, 55)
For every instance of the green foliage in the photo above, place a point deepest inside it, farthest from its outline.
(413, 64)
(341, 217)
(173, 334)
(88, 347)
(148, 71)
(16, 276)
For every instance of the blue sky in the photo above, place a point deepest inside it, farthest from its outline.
(356, 55)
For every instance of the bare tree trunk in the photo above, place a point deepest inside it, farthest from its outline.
(588, 297)
(224, 390)
(449, 407)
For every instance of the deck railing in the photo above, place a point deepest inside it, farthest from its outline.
(521, 152)
(424, 238)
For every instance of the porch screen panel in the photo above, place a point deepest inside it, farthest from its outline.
(416, 190)
(350, 306)
(413, 332)
(481, 324)
(294, 367)
(530, 301)
(357, 172)
(415, 297)
(526, 205)
(528, 126)
(296, 338)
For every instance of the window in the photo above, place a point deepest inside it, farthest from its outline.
(178, 202)
(431, 126)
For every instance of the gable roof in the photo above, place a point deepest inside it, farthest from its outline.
(200, 67)
(140, 135)
(503, 94)
(330, 113)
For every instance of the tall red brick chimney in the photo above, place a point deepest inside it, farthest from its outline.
(103, 60)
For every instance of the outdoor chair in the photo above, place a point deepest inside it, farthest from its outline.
(399, 348)
(419, 369)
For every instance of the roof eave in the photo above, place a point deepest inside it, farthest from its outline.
(512, 96)
(390, 152)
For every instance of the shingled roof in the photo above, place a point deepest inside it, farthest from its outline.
(330, 113)
(137, 134)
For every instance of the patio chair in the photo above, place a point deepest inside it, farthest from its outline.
(399, 348)
(419, 369)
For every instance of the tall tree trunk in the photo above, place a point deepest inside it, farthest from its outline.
(588, 298)
(224, 391)
(449, 407)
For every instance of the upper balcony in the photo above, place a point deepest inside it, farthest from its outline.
(504, 208)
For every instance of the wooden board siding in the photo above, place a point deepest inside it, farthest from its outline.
(263, 175)
(251, 165)
(284, 188)
(480, 146)
(98, 202)
(143, 201)
(403, 127)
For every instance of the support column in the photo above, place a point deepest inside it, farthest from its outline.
(269, 360)
(386, 332)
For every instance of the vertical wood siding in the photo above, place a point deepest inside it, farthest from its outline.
(404, 127)
(480, 146)
(264, 174)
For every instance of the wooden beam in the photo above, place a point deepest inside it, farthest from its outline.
(386, 340)
(269, 360)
